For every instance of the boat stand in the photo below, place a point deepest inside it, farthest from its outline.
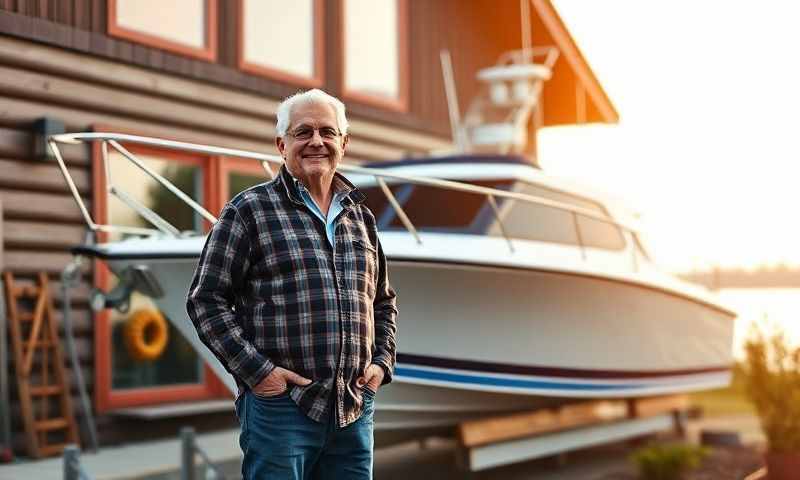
(498, 441)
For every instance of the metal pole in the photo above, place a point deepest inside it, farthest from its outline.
(187, 454)
(401, 214)
(457, 130)
(69, 277)
(71, 461)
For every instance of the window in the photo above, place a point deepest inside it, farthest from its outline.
(123, 379)
(187, 27)
(550, 224)
(239, 174)
(282, 39)
(375, 52)
(435, 209)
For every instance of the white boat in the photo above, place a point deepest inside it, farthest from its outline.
(516, 290)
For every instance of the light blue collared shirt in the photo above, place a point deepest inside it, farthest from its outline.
(333, 211)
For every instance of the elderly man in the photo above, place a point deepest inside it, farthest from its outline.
(292, 295)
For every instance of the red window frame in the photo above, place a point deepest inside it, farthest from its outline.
(227, 165)
(106, 398)
(209, 53)
(316, 80)
(399, 104)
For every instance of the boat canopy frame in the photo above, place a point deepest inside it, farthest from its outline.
(163, 227)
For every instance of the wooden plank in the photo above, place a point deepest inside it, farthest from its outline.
(82, 14)
(23, 384)
(85, 349)
(22, 205)
(77, 66)
(82, 320)
(52, 424)
(46, 390)
(31, 261)
(647, 407)
(41, 176)
(85, 96)
(486, 431)
(63, 12)
(98, 15)
(27, 234)
(15, 143)
(514, 451)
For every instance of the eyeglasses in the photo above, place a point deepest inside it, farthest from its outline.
(306, 133)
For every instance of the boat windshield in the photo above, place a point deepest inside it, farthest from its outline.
(434, 209)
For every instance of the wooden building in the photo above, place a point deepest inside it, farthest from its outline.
(213, 72)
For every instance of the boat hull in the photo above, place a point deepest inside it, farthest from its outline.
(476, 340)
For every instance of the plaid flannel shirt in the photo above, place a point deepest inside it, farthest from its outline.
(270, 291)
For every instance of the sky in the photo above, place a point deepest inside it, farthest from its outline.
(707, 148)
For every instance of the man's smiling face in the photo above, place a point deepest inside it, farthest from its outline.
(313, 145)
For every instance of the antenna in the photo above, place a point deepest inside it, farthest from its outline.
(527, 41)
(452, 100)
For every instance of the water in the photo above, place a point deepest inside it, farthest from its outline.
(765, 308)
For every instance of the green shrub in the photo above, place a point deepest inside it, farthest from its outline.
(772, 381)
(667, 462)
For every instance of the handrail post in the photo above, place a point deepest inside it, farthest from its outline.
(578, 234)
(397, 208)
(71, 461)
(187, 454)
(496, 210)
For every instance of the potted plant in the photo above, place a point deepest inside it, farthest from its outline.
(772, 380)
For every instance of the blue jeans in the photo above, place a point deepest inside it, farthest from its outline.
(280, 442)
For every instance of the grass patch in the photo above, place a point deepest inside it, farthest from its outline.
(731, 400)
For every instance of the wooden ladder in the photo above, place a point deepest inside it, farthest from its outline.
(35, 331)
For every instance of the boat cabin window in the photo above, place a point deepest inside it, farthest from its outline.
(436, 209)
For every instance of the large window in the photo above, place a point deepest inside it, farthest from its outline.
(282, 39)
(187, 27)
(123, 377)
(375, 52)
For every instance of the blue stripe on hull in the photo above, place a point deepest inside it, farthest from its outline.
(411, 372)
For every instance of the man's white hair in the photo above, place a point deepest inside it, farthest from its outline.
(310, 96)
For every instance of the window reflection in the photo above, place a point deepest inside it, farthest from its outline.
(181, 21)
(177, 364)
(372, 60)
(279, 35)
(435, 209)
(137, 184)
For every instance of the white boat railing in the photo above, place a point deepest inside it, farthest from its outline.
(162, 226)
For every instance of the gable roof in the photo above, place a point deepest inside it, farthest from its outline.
(572, 75)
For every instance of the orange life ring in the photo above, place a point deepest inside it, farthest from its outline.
(146, 334)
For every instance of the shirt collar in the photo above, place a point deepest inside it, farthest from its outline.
(341, 187)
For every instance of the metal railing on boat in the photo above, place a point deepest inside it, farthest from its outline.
(162, 226)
